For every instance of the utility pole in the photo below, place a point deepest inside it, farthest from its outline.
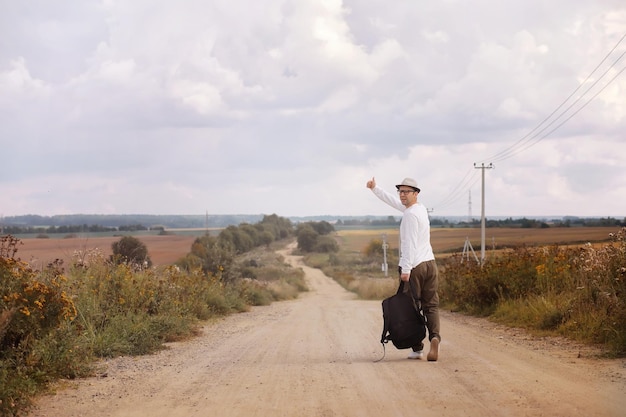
(482, 211)
(385, 247)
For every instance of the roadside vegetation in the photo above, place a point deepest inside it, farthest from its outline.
(56, 322)
(573, 291)
(576, 291)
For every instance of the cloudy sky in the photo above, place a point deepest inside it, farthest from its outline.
(290, 106)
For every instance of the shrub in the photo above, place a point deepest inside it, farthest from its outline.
(374, 249)
(326, 244)
(214, 255)
(53, 322)
(578, 292)
(132, 251)
(34, 309)
(307, 238)
(313, 237)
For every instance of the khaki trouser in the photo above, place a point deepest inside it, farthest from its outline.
(425, 277)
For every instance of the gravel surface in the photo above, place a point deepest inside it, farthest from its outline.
(315, 356)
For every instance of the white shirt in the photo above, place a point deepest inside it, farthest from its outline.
(415, 245)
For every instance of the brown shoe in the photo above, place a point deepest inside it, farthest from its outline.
(433, 354)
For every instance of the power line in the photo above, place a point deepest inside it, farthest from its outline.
(459, 191)
(456, 189)
(528, 145)
(530, 139)
(469, 206)
(538, 138)
(533, 137)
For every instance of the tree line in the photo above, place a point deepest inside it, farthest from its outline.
(215, 255)
(72, 229)
(524, 223)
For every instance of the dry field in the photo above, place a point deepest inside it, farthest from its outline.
(453, 239)
(164, 250)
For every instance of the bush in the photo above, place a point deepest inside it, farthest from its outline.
(578, 292)
(374, 249)
(307, 238)
(132, 251)
(53, 323)
(214, 255)
(312, 237)
(326, 244)
(34, 310)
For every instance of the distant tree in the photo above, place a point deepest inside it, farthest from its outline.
(130, 250)
(326, 244)
(322, 228)
(132, 227)
(313, 237)
(280, 227)
(252, 232)
(266, 238)
(307, 238)
(237, 238)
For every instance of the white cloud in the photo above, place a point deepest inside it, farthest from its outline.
(340, 100)
(17, 81)
(202, 97)
(437, 36)
(117, 72)
(288, 107)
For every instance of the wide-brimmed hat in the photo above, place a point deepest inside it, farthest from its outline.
(409, 182)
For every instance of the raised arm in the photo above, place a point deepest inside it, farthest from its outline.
(383, 195)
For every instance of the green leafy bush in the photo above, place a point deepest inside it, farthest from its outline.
(313, 237)
(131, 250)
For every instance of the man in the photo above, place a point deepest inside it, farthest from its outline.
(417, 261)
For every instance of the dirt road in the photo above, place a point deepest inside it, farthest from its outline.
(314, 357)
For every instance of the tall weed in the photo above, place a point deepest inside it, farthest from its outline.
(577, 292)
(34, 311)
(53, 323)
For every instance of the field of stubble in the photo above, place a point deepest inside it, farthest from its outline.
(164, 250)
